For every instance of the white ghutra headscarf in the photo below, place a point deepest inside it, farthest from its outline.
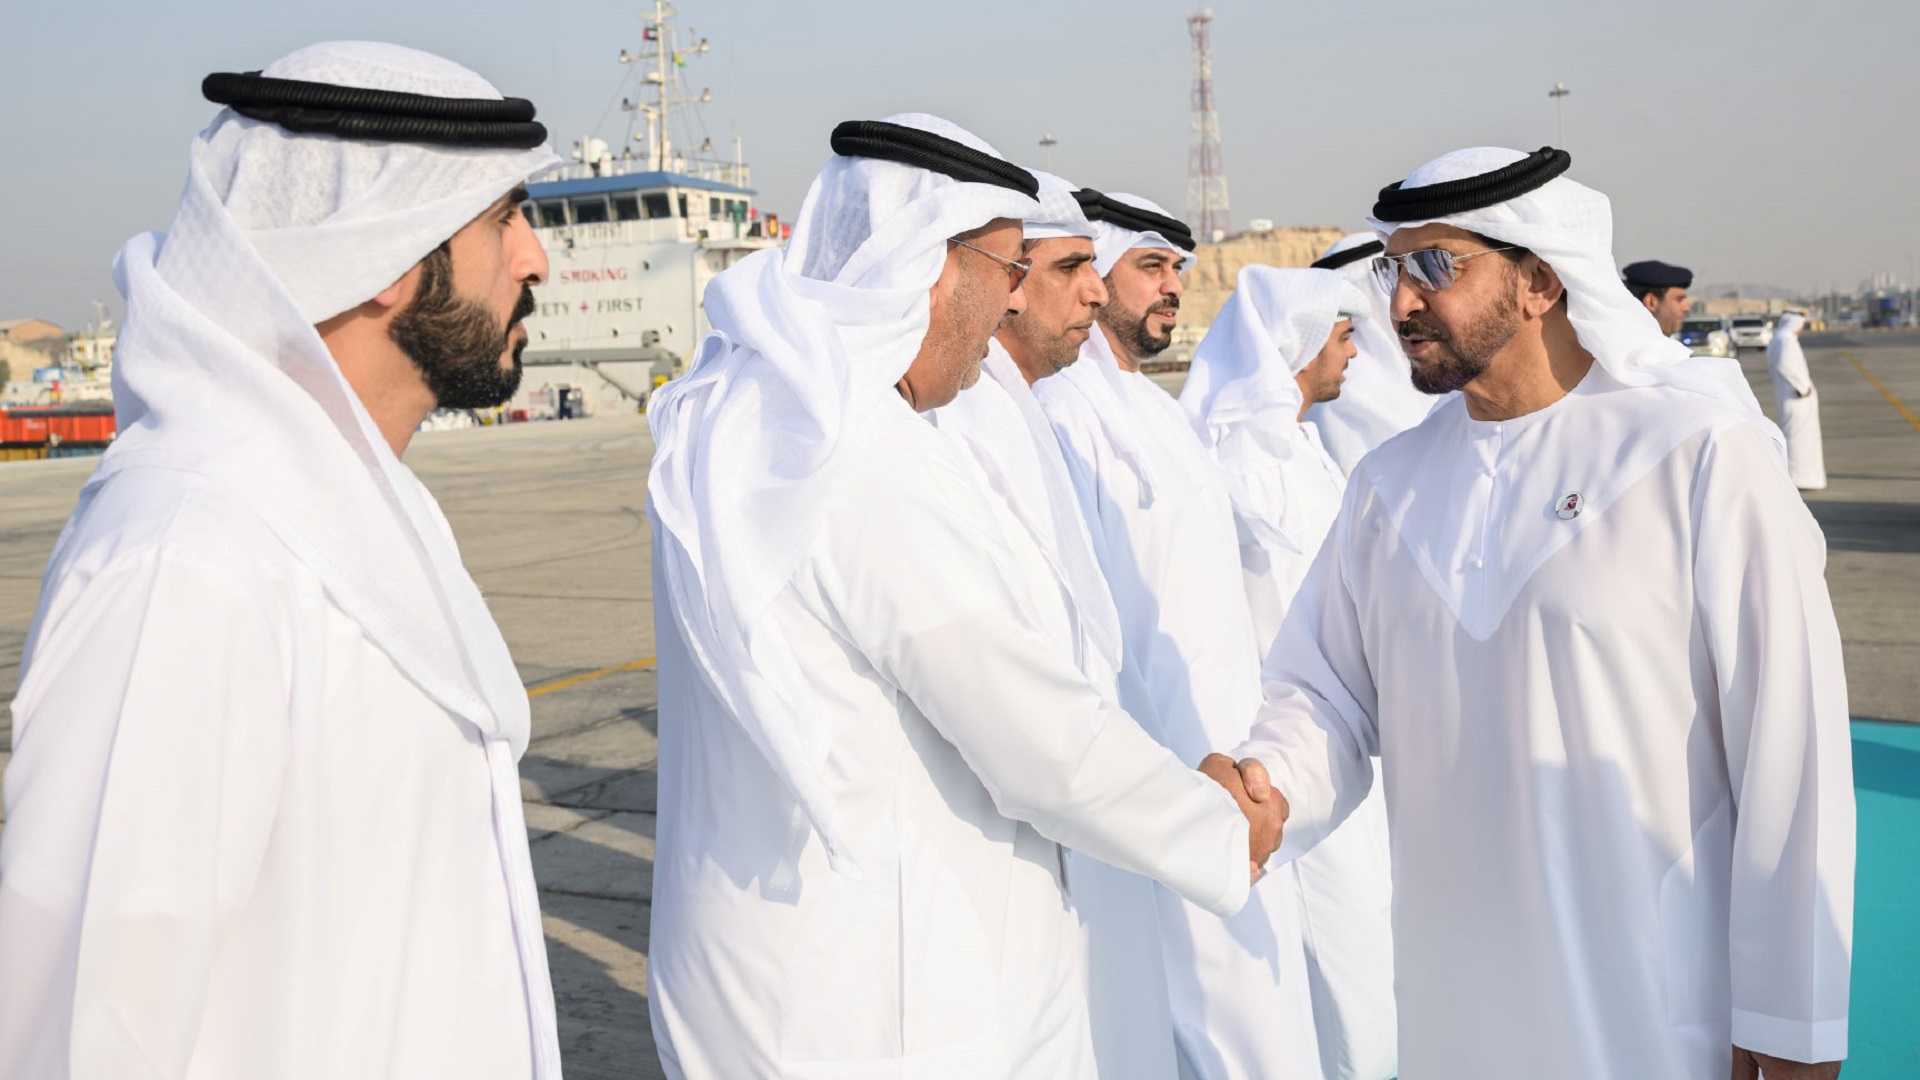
(1272, 326)
(1060, 215)
(1241, 394)
(1114, 241)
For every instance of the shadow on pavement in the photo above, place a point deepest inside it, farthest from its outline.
(1876, 527)
(592, 791)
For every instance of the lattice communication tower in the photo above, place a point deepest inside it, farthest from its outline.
(1206, 163)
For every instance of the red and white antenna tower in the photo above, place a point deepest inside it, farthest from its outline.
(1206, 164)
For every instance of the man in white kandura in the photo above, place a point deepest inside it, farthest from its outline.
(1282, 343)
(1379, 400)
(1163, 527)
(873, 734)
(1000, 424)
(1579, 615)
(263, 815)
(1797, 403)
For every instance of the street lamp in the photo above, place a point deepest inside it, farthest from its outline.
(1047, 143)
(1559, 95)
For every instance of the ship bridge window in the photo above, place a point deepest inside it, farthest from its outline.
(626, 208)
(553, 213)
(656, 204)
(713, 207)
(590, 210)
(683, 204)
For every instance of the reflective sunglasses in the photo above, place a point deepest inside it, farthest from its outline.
(1017, 269)
(1430, 268)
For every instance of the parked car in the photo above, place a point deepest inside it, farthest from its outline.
(1752, 331)
(1707, 335)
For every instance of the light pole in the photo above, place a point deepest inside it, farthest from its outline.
(1559, 95)
(1047, 143)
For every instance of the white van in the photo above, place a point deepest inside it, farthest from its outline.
(1752, 331)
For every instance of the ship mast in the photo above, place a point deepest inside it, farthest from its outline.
(665, 56)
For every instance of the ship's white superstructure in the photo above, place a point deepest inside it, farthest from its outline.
(631, 251)
(632, 239)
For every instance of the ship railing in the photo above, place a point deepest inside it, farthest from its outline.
(721, 172)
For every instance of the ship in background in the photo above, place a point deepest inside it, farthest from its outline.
(632, 238)
(64, 408)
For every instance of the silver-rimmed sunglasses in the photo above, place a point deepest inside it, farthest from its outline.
(1430, 268)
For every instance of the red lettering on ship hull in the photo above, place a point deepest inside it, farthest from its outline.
(589, 276)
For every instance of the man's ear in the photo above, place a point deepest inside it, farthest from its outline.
(1543, 287)
(397, 293)
(389, 297)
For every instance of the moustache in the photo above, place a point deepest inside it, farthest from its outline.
(1407, 328)
(1170, 304)
(523, 308)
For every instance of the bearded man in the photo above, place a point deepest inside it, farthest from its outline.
(1579, 614)
(263, 813)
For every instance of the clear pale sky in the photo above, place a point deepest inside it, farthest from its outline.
(1765, 142)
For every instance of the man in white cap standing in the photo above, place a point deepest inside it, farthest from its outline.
(1281, 344)
(999, 423)
(263, 814)
(1797, 404)
(1163, 526)
(873, 735)
(1378, 400)
(1579, 615)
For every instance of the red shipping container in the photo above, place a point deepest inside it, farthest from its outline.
(38, 425)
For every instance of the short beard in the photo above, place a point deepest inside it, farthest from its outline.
(1130, 327)
(1459, 359)
(954, 344)
(1051, 354)
(456, 342)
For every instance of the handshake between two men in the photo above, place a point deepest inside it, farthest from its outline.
(1265, 808)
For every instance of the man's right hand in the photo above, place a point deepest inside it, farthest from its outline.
(1266, 813)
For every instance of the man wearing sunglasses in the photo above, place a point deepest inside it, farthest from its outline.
(874, 738)
(1579, 613)
(1163, 525)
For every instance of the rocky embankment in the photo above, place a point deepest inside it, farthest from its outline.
(1216, 266)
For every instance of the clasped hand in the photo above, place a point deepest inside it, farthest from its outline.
(1265, 808)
